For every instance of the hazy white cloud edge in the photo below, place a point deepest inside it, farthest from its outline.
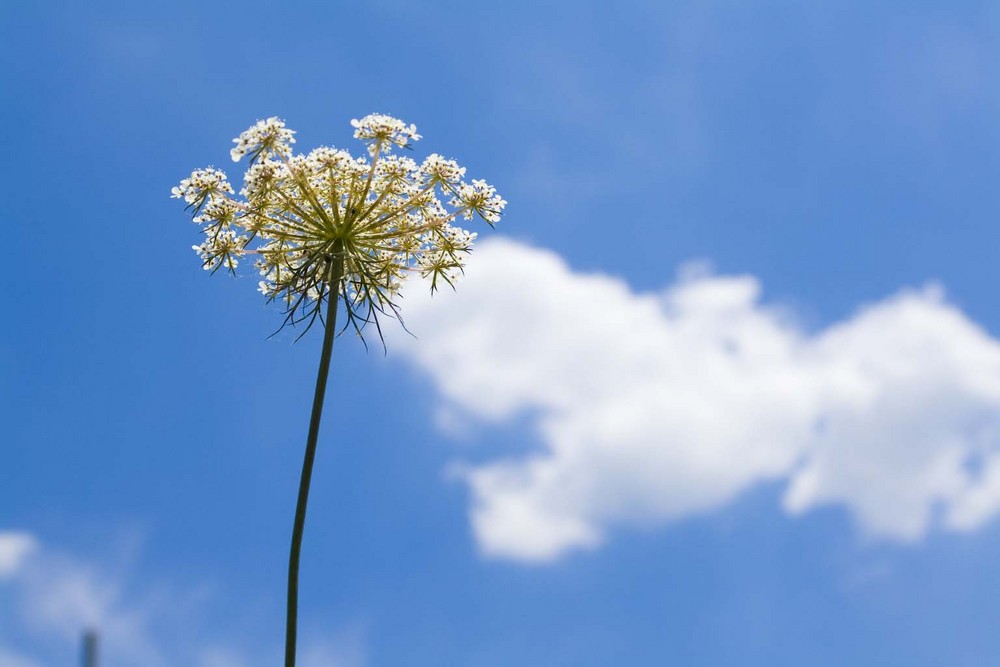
(49, 598)
(652, 407)
(15, 547)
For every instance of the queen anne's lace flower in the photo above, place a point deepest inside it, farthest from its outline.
(266, 136)
(381, 132)
(307, 218)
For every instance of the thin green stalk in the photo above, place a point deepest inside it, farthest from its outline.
(329, 332)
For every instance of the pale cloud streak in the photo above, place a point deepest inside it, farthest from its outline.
(54, 597)
(15, 547)
(652, 407)
(48, 598)
(8, 659)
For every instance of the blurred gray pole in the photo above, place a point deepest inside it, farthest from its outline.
(90, 649)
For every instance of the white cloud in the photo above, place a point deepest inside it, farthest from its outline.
(14, 549)
(345, 649)
(8, 659)
(56, 597)
(51, 598)
(220, 656)
(653, 407)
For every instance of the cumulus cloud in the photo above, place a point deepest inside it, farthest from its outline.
(651, 407)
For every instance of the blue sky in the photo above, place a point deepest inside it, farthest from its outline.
(722, 388)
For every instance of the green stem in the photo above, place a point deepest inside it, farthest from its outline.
(329, 332)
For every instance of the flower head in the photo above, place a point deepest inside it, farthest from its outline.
(266, 136)
(327, 222)
(381, 132)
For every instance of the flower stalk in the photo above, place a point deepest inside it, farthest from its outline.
(328, 227)
(298, 528)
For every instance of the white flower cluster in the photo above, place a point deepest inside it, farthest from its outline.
(265, 135)
(481, 198)
(382, 132)
(328, 217)
(202, 185)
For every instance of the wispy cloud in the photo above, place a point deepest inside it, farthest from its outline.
(54, 597)
(15, 547)
(651, 407)
(50, 597)
(347, 648)
(8, 659)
